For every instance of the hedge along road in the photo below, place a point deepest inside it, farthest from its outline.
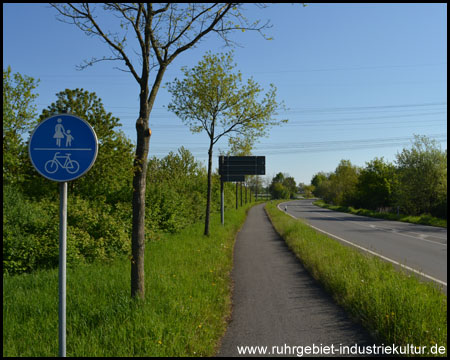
(417, 248)
(277, 305)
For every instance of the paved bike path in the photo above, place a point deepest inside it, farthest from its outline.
(276, 302)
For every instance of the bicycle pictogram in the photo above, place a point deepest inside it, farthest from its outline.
(70, 165)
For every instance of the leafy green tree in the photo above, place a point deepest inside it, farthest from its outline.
(308, 191)
(422, 173)
(289, 183)
(161, 32)
(318, 181)
(111, 174)
(376, 185)
(344, 182)
(212, 98)
(282, 187)
(279, 191)
(176, 185)
(338, 188)
(19, 117)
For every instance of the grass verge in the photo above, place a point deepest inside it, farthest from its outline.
(397, 307)
(188, 300)
(425, 219)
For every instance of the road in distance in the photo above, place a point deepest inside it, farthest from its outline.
(418, 248)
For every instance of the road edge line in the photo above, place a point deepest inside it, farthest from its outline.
(369, 251)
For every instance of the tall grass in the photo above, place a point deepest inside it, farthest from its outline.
(188, 297)
(396, 307)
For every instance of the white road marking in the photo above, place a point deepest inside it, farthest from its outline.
(371, 252)
(420, 237)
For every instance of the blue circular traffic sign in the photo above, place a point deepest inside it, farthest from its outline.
(63, 147)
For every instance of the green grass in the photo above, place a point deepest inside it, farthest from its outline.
(185, 311)
(424, 219)
(397, 307)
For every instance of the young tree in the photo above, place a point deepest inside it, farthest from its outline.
(289, 183)
(283, 187)
(212, 98)
(111, 174)
(422, 176)
(162, 32)
(318, 182)
(19, 117)
(343, 183)
(376, 185)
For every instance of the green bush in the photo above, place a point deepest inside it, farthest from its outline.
(95, 230)
(30, 240)
(98, 228)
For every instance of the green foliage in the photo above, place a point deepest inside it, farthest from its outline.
(278, 191)
(176, 188)
(18, 119)
(213, 98)
(318, 181)
(175, 191)
(376, 185)
(283, 187)
(30, 233)
(96, 230)
(339, 187)
(112, 172)
(416, 184)
(422, 172)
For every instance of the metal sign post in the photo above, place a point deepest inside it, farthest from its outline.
(62, 148)
(222, 205)
(62, 267)
(234, 169)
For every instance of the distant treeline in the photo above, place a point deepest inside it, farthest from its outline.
(415, 184)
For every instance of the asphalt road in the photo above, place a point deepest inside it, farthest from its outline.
(418, 248)
(277, 305)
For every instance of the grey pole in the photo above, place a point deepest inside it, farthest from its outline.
(62, 266)
(240, 186)
(222, 206)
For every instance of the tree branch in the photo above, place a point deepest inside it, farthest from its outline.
(219, 15)
(82, 19)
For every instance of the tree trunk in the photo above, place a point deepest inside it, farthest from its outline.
(208, 191)
(139, 182)
(138, 229)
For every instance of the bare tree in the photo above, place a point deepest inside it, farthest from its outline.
(162, 31)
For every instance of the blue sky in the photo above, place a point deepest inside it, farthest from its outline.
(358, 80)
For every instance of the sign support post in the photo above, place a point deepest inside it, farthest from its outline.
(237, 195)
(62, 266)
(222, 205)
(62, 148)
(234, 169)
